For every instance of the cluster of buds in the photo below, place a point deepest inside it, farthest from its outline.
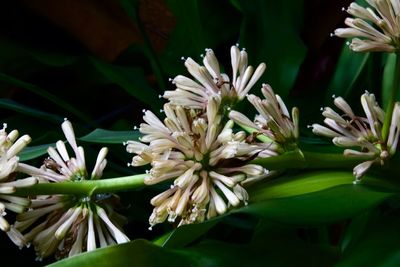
(66, 225)
(349, 130)
(203, 157)
(10, 146)
(209, 81)
(273, 124)
(381, 35)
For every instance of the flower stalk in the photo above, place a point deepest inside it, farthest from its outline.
(85, 187)
(291, 160)
(392, 100)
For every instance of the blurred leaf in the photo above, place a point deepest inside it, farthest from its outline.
(197, 27)
(348, 71)
(265, 22)
(388, 78)
(43, 93)
(275, 250)
(321, 207)
(32, 152)
(378, 246)
(132, 80)
(355, 230)
(110, 137)
(52, 58)
(12, 105)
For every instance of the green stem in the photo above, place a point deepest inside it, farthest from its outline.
(289, 160)
(85, 187)
(298, 159)
(392, 100)
(315, 160)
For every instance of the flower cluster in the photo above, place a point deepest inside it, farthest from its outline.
(10, 146)
(273, 124)
(209, 81)
(350, 130)
(203, 157)
(67, 224)
(382, 35)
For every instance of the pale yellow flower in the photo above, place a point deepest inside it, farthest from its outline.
(378, 26)
(10, 146)
(350, 130)
(66, 225)
(208, 80)
(273, 121)
(203, 157)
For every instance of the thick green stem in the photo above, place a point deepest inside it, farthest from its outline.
(392, 100)
(298, 159)
(85, 187)
(315, 160)
(289, 160)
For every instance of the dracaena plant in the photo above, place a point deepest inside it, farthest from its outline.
(224, 143)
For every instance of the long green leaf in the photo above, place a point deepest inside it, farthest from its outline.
(348, 72)
(132, 80)
(378, 246)
(4, 78)
(259, 34)
(17, 107)
(32, 152)
(208, 253)
(327, 206)
(110, 137)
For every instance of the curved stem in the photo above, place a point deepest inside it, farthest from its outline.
(85, 187)
(298, 159)
(316, 160)
(392, 100)
(289, 160)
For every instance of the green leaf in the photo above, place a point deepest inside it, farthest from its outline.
(32, 152)
(322, 207)
(4, 78)
(110, 137)
(197, 27)
(52, 58)
(207, 253)
(348, 72)
(378, 246)
(12, 105)
(132, 80)
(135, 253)
(186, 234)
(388, 78)
(293, 185)
(265, 22)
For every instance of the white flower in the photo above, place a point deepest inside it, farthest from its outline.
(66, 225)
(10, 146)
(203, 157)
(209, 81)
(349, 130)
(377, 26)
(273, 122)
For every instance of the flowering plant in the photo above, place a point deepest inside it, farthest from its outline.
(230, 163)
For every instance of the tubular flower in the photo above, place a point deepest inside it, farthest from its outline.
(66, 225)
(209, 81)
(349, 130)
(10, 146)
(378, 26)
(273, 124)
(203, 157)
